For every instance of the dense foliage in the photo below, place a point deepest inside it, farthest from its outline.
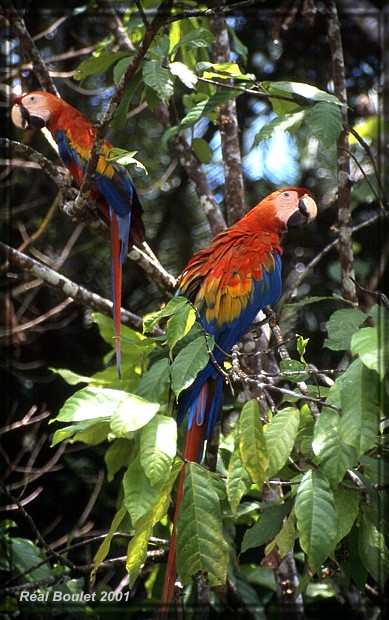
(289, 520)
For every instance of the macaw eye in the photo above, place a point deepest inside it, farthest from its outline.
(286, 194)
(32, 98)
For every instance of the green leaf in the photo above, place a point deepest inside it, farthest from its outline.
(72, 378)
(325, 121)
(202, 150)
(294, 371)
(91, 403)
(187, 77)
(266, 527)
(280, 436)
(358, 425)
(277, 125)
(161, 46)
(153, 382)
(334, 455)
(131, 414)
(120, 117)
(372, 346)
(125, 158)
(180, 324)
(297, 90)
(316, 518)
(341, 327)
(373, 550)
(91, 432)
(103, 550)
(20, 555)
(99, 63)
(173, 305)
(284, 541)
(253, 448)
(230, 70)
(137, 549)
(139, 494)
(200, 37)
(205, 108)
(119, 454)
(238, 479)
(347, 509)
(158, 446)
(158, 78)
(200, 542)
(188, 363)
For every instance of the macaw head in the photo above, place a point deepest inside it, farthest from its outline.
(296, 207)
(33, 110)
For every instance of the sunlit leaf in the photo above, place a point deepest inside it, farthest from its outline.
(158, 446)
(158, 78)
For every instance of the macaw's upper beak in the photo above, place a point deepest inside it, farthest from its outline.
(22, 118)
(307, 211)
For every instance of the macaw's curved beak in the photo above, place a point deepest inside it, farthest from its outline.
(307, 211)
(22, 118)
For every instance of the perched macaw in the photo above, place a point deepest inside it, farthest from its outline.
(228, 283)
(113, 192)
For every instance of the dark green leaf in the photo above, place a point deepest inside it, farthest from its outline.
(285, 122)
(158, 78)
(238, 479)
(347, 509)
(202, 150)
(316, 518)
(334, 455)
(189, 361)
(137, 549)
(341, 327)
(280, 436)
(325, 121)
(293, 370)
(253, 448)
(358, 425)
(373, 550)
(98, 63)
(200, 542)
(268, 525)
(372, 346)
(199, 37)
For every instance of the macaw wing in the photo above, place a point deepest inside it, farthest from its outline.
(74, 159)
(230, 292)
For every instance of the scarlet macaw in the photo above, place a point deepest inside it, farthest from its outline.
(113, 192)
(228, 283)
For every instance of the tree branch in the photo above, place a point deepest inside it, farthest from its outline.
(158, 21)
(228, 122)
(180, 146)
(69, 288)
(346, 256)
(141, 253)
(27, 43)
